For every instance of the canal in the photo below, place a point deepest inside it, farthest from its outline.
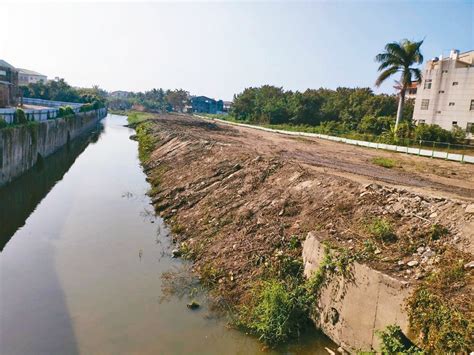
(83, 258)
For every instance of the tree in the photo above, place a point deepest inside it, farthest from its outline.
(400, 57)
(178, 99)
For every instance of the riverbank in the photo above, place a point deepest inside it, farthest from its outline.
(23, 146)
(243, 205)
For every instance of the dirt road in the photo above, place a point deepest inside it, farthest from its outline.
(418, 174)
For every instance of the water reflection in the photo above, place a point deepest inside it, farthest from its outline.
(20, 198)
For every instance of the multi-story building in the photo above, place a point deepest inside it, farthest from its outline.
(203, 104)
(446, 95)
(8, 84)
(26, 77)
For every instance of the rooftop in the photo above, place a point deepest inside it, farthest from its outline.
(29, 72)
(5, 64)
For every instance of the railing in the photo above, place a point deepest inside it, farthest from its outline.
(40, 114)
(454, 152)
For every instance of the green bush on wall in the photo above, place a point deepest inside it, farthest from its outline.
(3, 123)
(20, 116)
(65, 111)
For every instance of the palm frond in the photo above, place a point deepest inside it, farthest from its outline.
(385, 74)
(416, 75)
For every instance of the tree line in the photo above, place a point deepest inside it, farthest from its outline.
(154, 100)
(60, 90)
(358, 113)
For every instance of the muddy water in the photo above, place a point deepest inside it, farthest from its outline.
(83, 257)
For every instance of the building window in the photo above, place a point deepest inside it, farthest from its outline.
(451, 104)
(470, 127)
(421, 121)
(424, 104)
(445, 71)
(455, 83)
(455, 123)
(438, 111)
(427, 84)
(472, 106)
(441, 92)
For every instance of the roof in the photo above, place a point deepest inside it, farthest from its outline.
(29, 72)
(5, 64)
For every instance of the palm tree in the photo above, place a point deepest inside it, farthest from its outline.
(400, 57)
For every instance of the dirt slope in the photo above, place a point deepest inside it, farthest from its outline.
(240, 201)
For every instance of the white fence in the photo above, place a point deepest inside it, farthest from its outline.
(463, 158)
(40, 114)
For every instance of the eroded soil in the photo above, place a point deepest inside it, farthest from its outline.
(240, 199)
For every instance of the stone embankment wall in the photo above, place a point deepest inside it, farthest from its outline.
(350, 310)
(22, 146)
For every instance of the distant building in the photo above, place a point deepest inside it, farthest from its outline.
(119, 94)
(8, 84)
(203, 104)
(446, 95)
(410, 92)
(26, 76)
(227, 106)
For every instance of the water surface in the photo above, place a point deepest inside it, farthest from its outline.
(82, 260)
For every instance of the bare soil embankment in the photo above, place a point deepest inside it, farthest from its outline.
(239, 200)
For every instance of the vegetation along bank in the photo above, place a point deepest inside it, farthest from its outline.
(281, 228)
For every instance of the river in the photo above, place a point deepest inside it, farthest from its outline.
(83, 257)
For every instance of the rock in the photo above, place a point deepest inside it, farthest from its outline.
(330, 351)
(470, 208)
(433, 215)
(193, 305)
(377, 251)
(469, 265)
(412, 263)
(176, 253)
(174, 210)
(420, 250)
(401, 262)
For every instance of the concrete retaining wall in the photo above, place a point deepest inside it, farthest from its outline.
(350, 310)
(22, 146)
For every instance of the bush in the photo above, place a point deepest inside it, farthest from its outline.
(384, 162)
(382, 229)
(20, 116)
(435, 133)
(65, 111)
(86, 108)
(395, 342)
(3, 123)
(276, 313)
(375, 125)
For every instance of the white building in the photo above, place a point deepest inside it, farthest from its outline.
(446, 95)
(26, 77)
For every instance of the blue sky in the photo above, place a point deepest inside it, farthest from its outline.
(219, 48)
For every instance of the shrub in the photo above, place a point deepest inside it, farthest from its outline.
(375, 125)
(65, 111)
(435, 133)
(276, 313)
(395, 342)
(382, 229)
(86, 107)
(20, 116)
(384, 162)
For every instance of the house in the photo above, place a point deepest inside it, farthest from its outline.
(26, 76)
(410, 91)
(119, 94)
(8, 84)
(203, 104)
(446, 95)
